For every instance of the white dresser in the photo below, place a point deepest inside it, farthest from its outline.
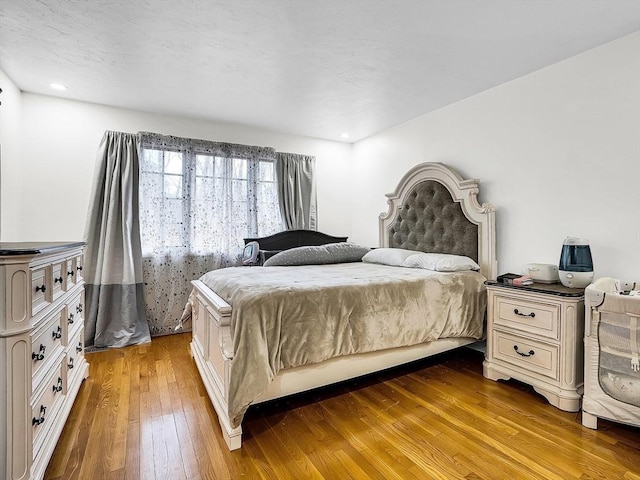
(534, 334)
(41, 349)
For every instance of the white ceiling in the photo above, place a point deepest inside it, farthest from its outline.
(307, 67)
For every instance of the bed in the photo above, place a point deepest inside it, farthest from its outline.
(264, 332)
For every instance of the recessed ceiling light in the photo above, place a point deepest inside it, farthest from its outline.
(344, 135)
(57, 86)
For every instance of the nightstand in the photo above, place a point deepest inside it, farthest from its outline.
(535, 335)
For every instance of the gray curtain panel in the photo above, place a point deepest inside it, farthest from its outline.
(297, 190)
(115, 315)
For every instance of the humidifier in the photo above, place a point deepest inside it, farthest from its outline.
(576, 266)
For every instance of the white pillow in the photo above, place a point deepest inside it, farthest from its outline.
(440, 262)
(388, 256)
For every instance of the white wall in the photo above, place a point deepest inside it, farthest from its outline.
(557, 153)
(59, 141)
(10, 121)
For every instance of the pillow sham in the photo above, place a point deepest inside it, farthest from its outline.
(440, 262)
(388, 256)
(343, 252)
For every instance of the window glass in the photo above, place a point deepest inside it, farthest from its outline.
(152, 161)
(173, 163)
(173, 186)
(205, 203)
(204, 165)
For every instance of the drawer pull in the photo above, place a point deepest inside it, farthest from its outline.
(79, 268)
(70, 319)
(58, 388)
(71, 273)
(57, 280)
(79, 347)
(70, 364)
(79, 308)
(532, 314)
(38, 356)
(530, 354)
(40, 420)
(41, 288)
(56, 334)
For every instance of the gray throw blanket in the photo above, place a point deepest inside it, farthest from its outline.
(285, 317)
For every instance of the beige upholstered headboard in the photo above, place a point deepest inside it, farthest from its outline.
(434, 209)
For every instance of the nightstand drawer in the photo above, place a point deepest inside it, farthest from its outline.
(534, 356)
(527, 315)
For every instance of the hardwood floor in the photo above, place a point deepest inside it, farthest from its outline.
(144, 414)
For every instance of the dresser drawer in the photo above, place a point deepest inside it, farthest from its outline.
(46, 341)
(74, 316)
(536, 357)
(527, 315)
(70, 273)
(75, 357)
(40, 288)
(74, 270)
(58, 270)
(45, 405)
(78, 268)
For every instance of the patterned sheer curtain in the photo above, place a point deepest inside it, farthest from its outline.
(198, 201)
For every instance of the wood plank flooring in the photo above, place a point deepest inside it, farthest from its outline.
(144, 414)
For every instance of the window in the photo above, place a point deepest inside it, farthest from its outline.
(198, 201)
(205, 201)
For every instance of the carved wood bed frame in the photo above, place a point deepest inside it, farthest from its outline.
(212, 345)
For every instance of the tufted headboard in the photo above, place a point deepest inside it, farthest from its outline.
(434, 209)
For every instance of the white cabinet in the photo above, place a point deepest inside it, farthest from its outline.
(534, 334)
(42, 361)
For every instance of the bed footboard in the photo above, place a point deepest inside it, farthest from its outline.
(212, 350)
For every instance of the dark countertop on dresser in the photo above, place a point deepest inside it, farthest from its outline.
(32, 248)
